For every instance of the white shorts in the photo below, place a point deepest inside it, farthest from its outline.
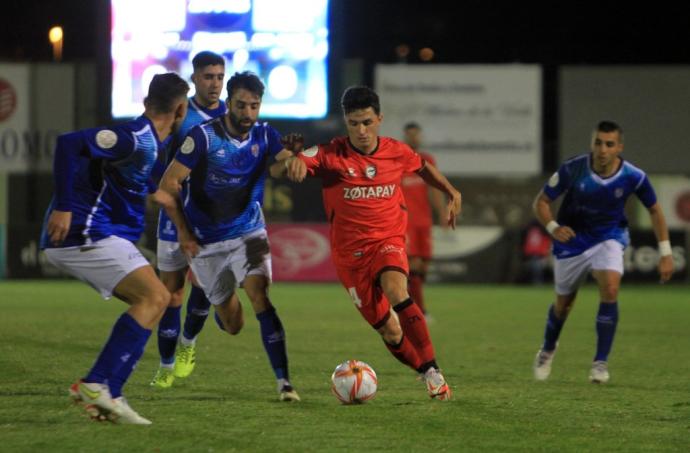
(220, 268)
(102, 264)
(170, 256)
(569, 273)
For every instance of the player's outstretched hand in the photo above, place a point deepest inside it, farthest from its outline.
(454, 208)
(563, 233)
(666, 268)
(293, 142)
(296, 169)
(58, 226)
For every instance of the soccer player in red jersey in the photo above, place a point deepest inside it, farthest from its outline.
(365, 206)
(420, 200)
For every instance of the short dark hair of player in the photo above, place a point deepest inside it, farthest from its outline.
(247, 80)
(610, 126)
(359, 98)
(412, 125)
(207, 58)
(164, 91)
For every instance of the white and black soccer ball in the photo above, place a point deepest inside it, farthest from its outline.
(354, 382)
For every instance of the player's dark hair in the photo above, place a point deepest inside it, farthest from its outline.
(411, 125)
(164, 91)
(610, 126)
(207, 58)
(247, 80)
(359, 98)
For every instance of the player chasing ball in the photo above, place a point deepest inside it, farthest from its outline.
(365, 207)
(590, 235)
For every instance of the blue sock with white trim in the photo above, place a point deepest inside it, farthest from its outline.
(553, 330)
(607, 320)
(273, 337)
(168, 333)
(124, 343)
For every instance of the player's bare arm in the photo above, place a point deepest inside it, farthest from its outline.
(58, 225)
(661, 232)
(435, 179)
(171, 184)
(542, 211)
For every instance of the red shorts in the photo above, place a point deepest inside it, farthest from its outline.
(419, 241)
(360, 278)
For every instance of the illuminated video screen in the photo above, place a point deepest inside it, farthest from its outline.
(285, 42)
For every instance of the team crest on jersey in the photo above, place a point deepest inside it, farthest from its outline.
(255, 150)
(221, 153)
(187, 146)
(311, 152)
(106, 139)
(618, 192)
(370, 171)
(553, 180)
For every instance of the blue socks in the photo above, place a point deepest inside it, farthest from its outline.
(607, 319)
(552, 331)
(273, 337)
(168, 332)
(120, 354)
(197, 312)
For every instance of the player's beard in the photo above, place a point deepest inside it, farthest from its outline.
(237, 124)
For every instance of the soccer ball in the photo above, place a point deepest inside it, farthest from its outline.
(354, 382)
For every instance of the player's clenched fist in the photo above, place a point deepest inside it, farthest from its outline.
(293, 142)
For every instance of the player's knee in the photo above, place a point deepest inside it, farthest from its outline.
(609, 292)
(176, 298)
(158, 300)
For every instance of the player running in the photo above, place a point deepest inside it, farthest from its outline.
(209, 72)
(219, 172)
(102, 177)
(590, 235)
(364, 204)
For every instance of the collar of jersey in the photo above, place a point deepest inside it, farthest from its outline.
(359, 151)
(230, 137)
(601, 179)
(206, 114)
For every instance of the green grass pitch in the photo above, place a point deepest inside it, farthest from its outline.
(485, 339)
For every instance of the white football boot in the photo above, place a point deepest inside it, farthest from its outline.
(542, 364)
(599, 374)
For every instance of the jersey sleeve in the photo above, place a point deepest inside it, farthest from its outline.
(312, 157)
(557, 183)
(273, 141)
(412, 162)
(193, 146)
(645, 192)
(108, 144)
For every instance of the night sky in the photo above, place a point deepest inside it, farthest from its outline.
(479, 32)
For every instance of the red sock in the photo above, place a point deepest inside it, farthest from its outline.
(414, 327)
(405, 352)
(416, 291)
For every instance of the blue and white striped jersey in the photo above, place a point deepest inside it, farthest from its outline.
(102, 176)
(223, 196)
(594, 207)
(196, 114)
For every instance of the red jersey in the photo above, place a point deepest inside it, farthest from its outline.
(361, 193)
(416, 194)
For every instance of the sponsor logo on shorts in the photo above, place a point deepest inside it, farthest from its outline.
(357, 193)
(134, 255)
